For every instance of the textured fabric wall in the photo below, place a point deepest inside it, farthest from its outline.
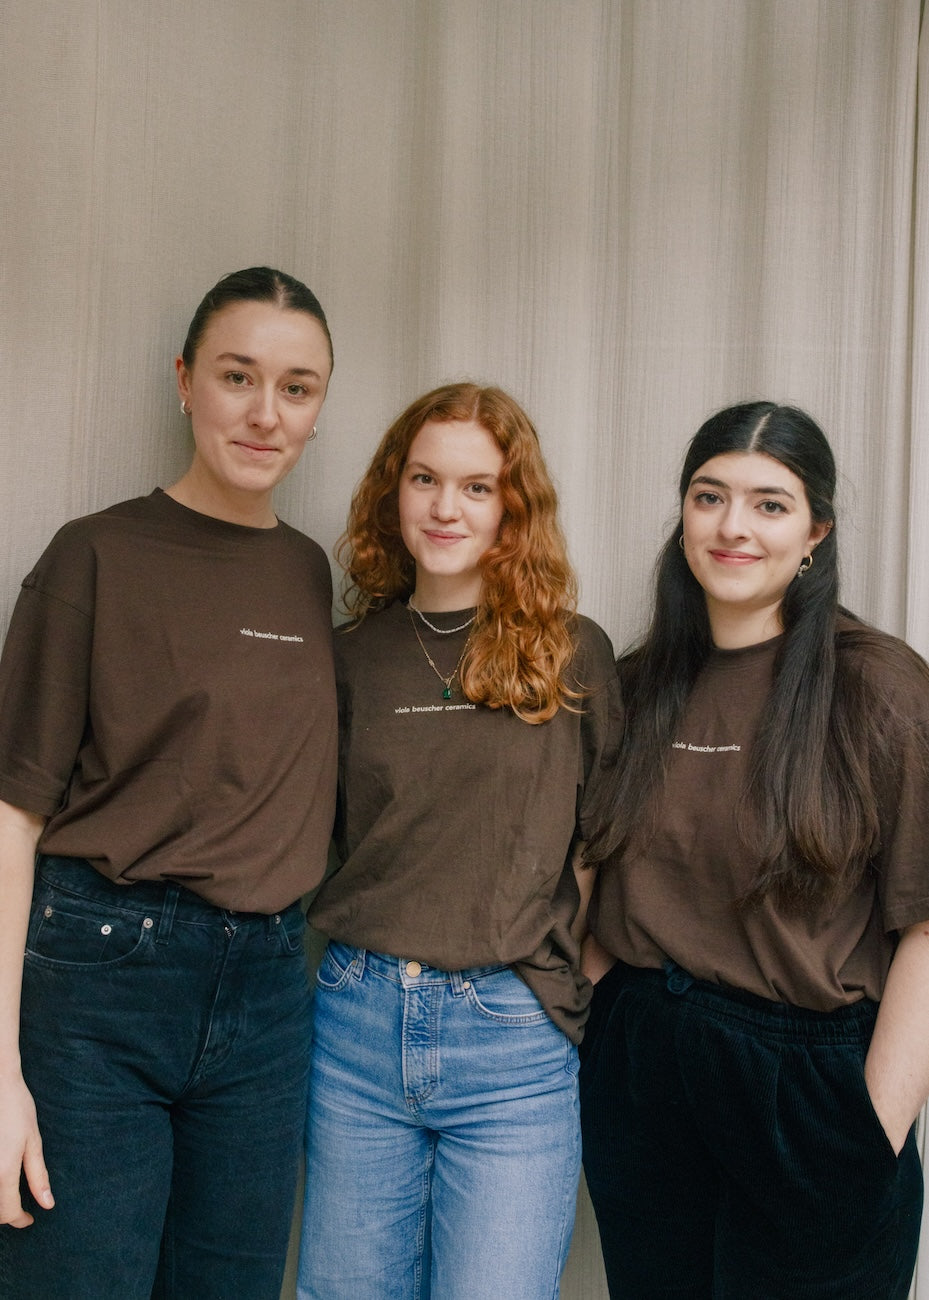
(627, 212)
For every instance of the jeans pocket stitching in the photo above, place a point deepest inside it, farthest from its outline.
(527, 1017)
(37, 958)
(344, 973)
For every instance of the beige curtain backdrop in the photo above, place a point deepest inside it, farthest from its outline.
(627, 212)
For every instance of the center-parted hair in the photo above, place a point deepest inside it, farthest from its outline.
(522, 640)
(254, 284)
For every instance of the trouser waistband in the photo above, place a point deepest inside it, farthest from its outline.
(847, 1024)
(162, 901)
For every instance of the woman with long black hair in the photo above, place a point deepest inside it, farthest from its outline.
(758, 1053)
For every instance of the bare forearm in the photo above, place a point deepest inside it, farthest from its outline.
(20, 1142)
(585, 877)
(19, 834)
(897, 1066)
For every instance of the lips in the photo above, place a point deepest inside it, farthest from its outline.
(257, 449)
(441, 538)
(734, 557)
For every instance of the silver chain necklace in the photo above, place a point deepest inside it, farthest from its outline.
(442, 631)
(446, 681)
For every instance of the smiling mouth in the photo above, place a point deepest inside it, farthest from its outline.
(255, 448)
(734, 557)
(435, 536)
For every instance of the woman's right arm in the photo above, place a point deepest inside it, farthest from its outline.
(20, 1143)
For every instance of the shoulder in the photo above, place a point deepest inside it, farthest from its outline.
(884, 668)
(70, 557)
(116, 518)
(307, 551)
(594, 651)
(367, 637)
(293, 537)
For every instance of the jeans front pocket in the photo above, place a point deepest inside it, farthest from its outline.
(502, 996)
(68, 931)
(336, 967)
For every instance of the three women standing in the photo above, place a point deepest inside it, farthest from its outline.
(168, 741)
(475, 705)
(758, 1054)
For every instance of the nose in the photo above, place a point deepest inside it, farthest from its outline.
(445, 505)
(733, 521)
(263, 411)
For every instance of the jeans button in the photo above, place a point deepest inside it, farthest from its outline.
(679, 981)
(413, 968)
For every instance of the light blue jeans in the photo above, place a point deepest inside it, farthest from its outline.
(443, 1138)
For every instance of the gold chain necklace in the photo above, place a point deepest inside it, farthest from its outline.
(446, 681)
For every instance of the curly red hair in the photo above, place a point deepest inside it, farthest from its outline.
(523, 638)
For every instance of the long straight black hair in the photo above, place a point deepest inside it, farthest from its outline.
(810, 792)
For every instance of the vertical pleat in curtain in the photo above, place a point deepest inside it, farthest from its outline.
(628, 212)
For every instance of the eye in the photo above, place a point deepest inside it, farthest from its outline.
(479, 489)
(421, 477)
(707, 498)
(772, 507)
(237, 378)
(296, 390)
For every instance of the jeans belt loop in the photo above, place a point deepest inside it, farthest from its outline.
(168, 909)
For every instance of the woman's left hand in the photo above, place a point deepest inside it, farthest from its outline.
(897, 1066)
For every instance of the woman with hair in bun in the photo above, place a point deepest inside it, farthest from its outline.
(443, 1141)
(758, 1052)
(168, 743)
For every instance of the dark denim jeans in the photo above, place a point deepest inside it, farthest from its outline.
(166, 1044)
(732, 1151)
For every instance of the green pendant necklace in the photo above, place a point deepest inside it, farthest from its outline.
(446, 681)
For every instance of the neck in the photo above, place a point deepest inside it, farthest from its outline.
(733, 629)
(246, 508)
(438, 595)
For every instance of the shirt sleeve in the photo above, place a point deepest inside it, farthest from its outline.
(601, 721)
(901, 864)
(44, 677)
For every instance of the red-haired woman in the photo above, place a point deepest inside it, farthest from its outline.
(443, 1142)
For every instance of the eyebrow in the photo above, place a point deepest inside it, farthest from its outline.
(758, 491)
(421, 464)
(250, 361)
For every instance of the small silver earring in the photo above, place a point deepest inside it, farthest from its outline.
(312, 434)
(680, 541)
(185, 409)
(805, 566)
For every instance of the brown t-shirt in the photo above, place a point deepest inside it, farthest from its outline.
(457, 821)
(167, 700)
(674, 892)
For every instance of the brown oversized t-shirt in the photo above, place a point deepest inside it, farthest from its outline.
(674, 893)
(457, 821)
(167, 700)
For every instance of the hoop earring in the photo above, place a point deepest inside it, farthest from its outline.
(312, 434)
(185, 409)
(680, 542)
(805, 566)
